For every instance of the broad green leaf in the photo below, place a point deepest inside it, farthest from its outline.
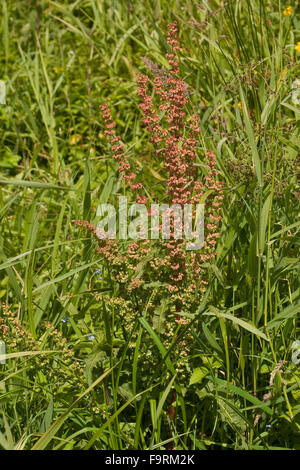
(238, 321)
(198, 374)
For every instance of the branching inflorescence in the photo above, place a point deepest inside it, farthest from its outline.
(174, 136)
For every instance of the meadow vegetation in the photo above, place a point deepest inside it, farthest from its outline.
(115, 344)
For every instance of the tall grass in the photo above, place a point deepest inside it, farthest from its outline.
(60, 61)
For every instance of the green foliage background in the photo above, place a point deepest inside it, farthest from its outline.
(62, 389)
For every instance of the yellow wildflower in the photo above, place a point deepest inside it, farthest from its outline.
(58, 69)
(239, 105)
(75, 138)
(298, 47)
(287, 11)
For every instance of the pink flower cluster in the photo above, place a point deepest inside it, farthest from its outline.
(117, 148)
(175, 138)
